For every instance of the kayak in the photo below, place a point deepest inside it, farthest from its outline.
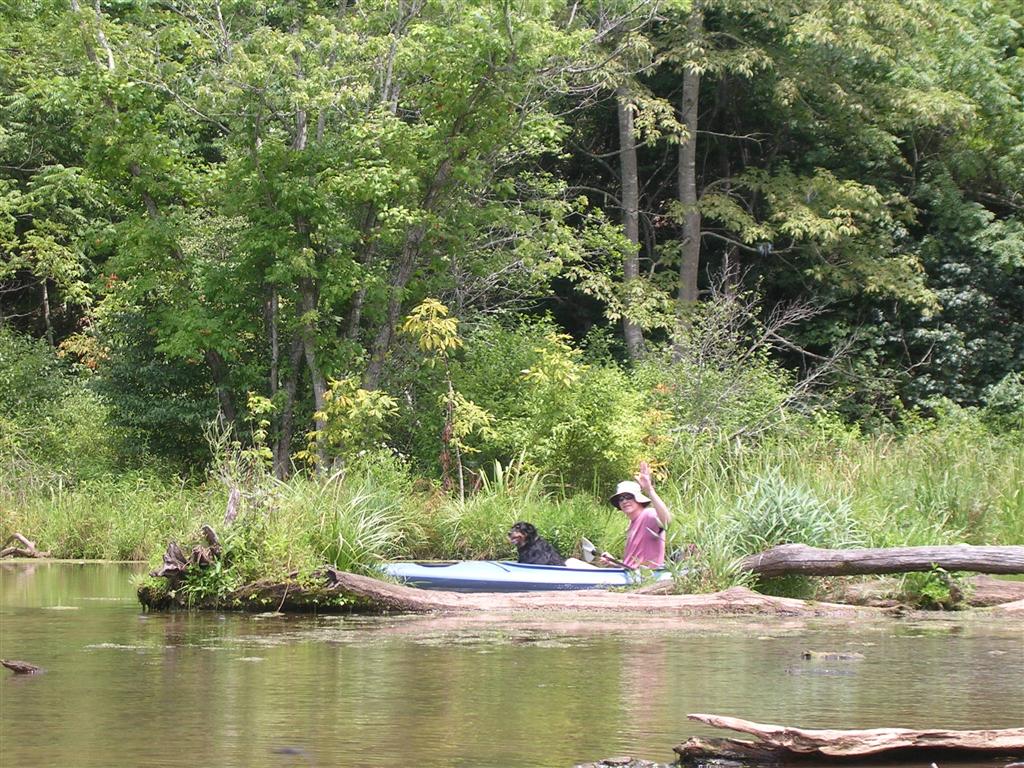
(507, 576)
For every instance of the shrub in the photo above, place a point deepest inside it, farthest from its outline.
(52, 425)
(584, 426)
(776, 511)
(1004, 404)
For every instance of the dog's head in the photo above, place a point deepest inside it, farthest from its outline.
(521, 534)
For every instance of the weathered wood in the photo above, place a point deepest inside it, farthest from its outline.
(775, 741)
(979, 591)
(27, 548)
(811, 561)
(1015, 609)
(174, 564)
(20, 667)
(351, 591)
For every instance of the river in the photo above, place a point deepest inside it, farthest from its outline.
(128, 688)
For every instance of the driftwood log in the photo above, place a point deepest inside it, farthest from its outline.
(339, 590)
(979, 591)
(20, 667)
(778, 742)
(810, 561)
(352, 592)
(175, 563)
(27, 548)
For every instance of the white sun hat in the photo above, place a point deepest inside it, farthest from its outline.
(630, 487)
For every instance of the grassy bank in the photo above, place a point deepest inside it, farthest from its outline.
(939, 484)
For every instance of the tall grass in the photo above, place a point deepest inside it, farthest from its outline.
(940, 485)
(119, 518)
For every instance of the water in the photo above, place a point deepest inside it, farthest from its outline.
(127, 688)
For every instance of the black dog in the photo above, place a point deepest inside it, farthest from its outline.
(533, 548)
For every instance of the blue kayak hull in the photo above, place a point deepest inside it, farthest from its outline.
(507, 576)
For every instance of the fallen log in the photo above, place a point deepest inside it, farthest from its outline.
(27, 548)
(352, 592)
(789, 559)
(778, 742)
(20, 667)
(1014, 609)
(978, 591)
(985, 591)
(346, 591)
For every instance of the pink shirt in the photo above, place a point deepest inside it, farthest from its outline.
(645, 541)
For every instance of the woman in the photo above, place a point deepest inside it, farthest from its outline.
(648, 519)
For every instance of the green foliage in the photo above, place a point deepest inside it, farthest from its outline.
(710, 561)
(354, 419)
(718, 378)
(583, 425)
(478, 528)
(435, 332)
(51, 422)
(129, 516)
(776, 511)
(1004, 404)
(936, 589)
(162, 404)
(32, 377)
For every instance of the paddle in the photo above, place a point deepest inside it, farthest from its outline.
(590, 554)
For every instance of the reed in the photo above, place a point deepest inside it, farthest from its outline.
(123, 518)
(942, 484)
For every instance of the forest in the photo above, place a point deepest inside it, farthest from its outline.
(393, 274)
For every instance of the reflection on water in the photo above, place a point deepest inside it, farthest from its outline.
(127, 688)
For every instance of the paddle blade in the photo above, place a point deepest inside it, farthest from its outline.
(588, 549)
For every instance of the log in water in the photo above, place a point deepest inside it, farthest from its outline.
(778, 742)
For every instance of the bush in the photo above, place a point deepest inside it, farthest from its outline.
(585, 426)
(776, 511)
(32, 377)
(52, 425)
(1004, 404)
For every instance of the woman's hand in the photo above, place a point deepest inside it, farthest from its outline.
(643, 477)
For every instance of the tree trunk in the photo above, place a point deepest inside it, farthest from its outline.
(309, 299)
(401, 276)
(366, 259)
(810, 561)
(630, 212)
(46, 312)
(778, 742)
(219, 373)
(689, 266)
(270, 315)
(283, 445)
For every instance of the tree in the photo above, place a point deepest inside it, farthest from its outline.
(287, 181)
